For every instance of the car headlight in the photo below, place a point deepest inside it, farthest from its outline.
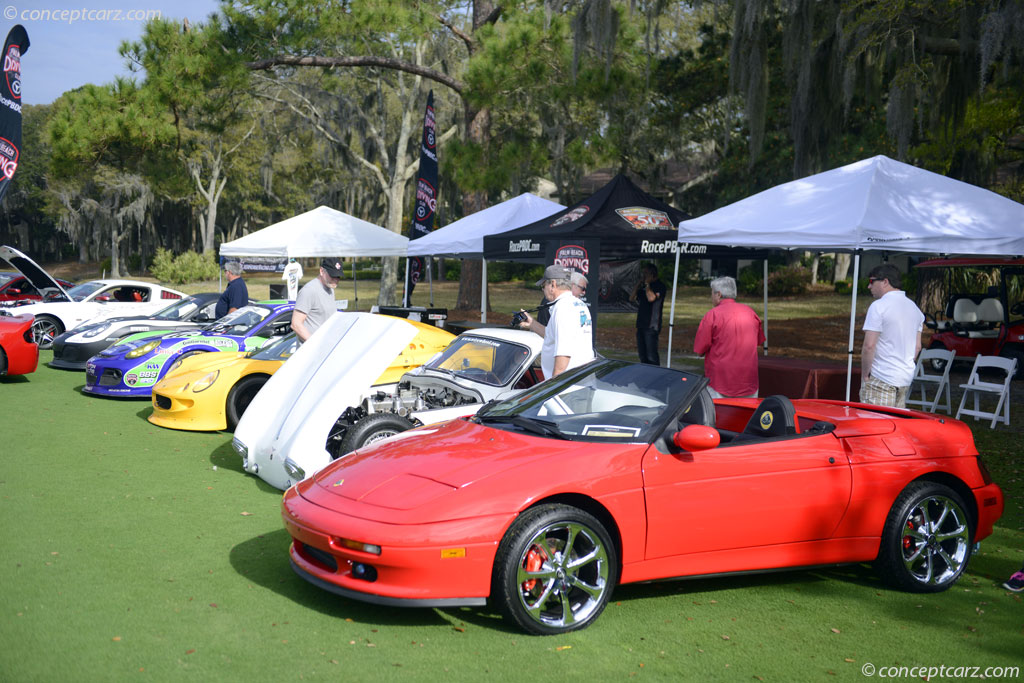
(96, 331)
(293, 470)
(143, 350)
(204, 382)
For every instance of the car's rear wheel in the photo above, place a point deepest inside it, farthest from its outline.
(45, 329)
(555, 570)
(373, 428)
(926, 543)
(3, 362)
(241, 396)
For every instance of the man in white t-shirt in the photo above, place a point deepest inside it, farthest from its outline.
(291, 275)
(568, 336)
(892, 340)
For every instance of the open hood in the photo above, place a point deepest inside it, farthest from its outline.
(328, 373)
(39, 278)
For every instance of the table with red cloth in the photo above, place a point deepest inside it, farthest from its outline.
(805, 378)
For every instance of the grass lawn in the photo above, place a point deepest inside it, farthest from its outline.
(132, 552)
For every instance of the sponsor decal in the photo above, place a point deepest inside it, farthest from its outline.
(429, 127)
(642, 218)
(573, 215)
(339, 482)
(426, 200)
(515, 247)
(130, 380)
(12, 70)
(8, 158)
(671, 247)
(573, 257)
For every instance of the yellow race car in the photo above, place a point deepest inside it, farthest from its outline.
(210, 391)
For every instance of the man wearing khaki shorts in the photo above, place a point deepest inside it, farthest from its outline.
(892, 340)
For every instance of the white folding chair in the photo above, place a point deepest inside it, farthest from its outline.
(976, 388)
(928, 360)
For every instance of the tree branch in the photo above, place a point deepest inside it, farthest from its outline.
(366, 60)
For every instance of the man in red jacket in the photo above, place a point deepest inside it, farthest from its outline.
(728, 337)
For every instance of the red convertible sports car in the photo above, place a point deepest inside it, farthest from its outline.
(616, 472)
(19, 355)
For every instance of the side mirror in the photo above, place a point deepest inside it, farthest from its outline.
(13, 291)
(697, 438)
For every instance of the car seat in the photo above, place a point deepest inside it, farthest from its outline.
(774, 417)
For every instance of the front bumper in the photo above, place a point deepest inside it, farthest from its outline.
(418, 566)
(179, 408)
(106, 380)
(76, 356)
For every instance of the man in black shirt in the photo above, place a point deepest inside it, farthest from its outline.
(649, 296)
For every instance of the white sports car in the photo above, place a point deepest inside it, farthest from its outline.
(320, 405)
(96, 300)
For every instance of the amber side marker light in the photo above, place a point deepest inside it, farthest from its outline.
(448, 553)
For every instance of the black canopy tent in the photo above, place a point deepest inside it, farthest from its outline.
(619, 222)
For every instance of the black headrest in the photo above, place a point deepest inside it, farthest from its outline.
(775, 416)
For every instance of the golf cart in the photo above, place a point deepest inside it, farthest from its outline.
(980, 317)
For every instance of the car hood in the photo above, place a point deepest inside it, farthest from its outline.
(39, 278)
(328, 373)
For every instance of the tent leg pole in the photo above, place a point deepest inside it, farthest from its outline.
(355, 287)
(672, 312)
(764, 280)
(853, 321)
(483, 290)
(405, 287)
(430, 278)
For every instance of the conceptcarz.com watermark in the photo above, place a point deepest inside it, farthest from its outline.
(929, 673)
(70, 16)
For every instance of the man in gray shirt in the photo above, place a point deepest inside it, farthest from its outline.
(315, 302)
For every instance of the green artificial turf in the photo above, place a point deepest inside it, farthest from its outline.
(131, 552)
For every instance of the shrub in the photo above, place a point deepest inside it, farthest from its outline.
(843, 286)
(186, 267)
(749, 279)
(788, 281)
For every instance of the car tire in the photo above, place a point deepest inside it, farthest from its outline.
(240, 396)
(373, 428)
(936, 365)
(927, 539)
(555, 570)
(46, 328)
(3, 362)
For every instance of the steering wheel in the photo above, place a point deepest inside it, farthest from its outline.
(929, 321)
(480, 375)
(1018, 308)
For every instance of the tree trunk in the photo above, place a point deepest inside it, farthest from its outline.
(470, 282)
(115, 249)
(814, 267)
(842, 266)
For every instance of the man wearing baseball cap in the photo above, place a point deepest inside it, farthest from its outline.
(315, 302)
(568, 337)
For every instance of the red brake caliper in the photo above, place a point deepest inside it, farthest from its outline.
(907, 540)
(535, 558)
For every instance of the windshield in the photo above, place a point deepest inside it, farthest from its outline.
(282, 349)
(179, 310)
(482, 359)
(241, 321)
(7, 277)
(80, 292)
(606, 400)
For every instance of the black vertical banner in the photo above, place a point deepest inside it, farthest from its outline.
(426, 198)
(582, 256)
(10, 105)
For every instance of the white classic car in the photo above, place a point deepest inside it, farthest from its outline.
(96, 300)
(320, 404)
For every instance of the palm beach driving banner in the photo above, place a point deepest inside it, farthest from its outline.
(10, 105)
(426, 198)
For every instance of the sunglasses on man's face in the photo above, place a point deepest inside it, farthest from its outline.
(873, 280)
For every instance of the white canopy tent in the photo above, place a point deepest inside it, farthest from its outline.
(318, 233)
(874, 204)
(322, 232)
(465, 237)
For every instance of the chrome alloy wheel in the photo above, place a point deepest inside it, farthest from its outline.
(563, 575)
(935, 542)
